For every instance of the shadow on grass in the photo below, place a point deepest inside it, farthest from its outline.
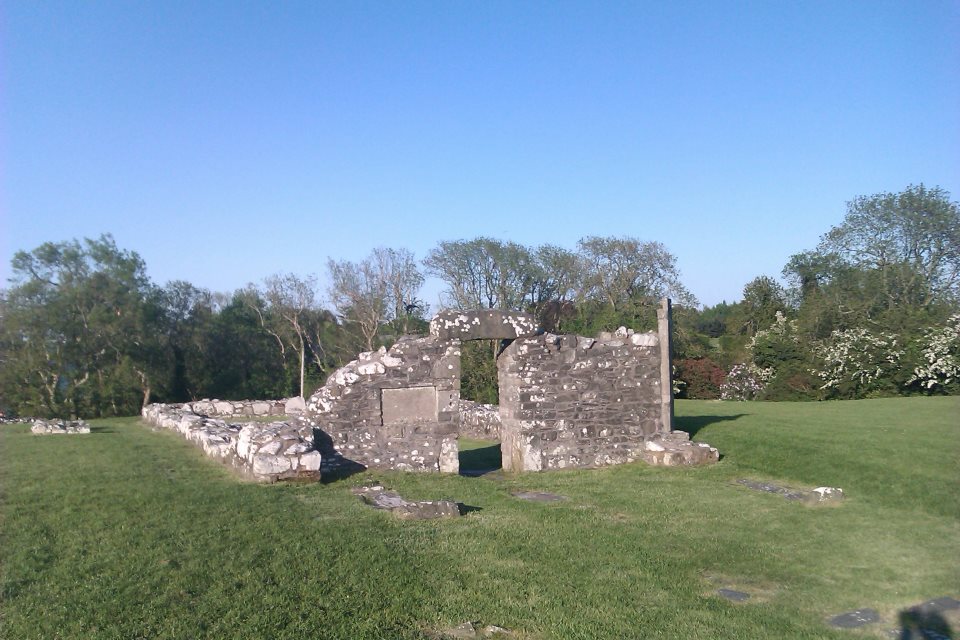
(920, 623)
(693, 424)
(477, 462)
(466, 508)
(102, 429)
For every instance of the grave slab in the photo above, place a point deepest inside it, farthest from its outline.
(854, 619)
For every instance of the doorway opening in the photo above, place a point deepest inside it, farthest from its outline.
(479, 441)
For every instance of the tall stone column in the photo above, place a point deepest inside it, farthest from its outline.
(664, 332)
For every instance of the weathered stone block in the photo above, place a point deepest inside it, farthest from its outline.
(379, 498)
(409, 406)
(311, 461)
(484, 324)
(294, 406)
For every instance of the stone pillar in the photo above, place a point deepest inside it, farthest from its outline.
(664, 331)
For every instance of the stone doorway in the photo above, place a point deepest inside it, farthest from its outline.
(482, 336)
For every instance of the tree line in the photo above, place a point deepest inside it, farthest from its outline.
(873, 310)
(84, 332)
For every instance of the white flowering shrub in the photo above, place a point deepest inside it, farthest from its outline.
(678, 384)
(776, 345)
(939, 355)
(857, 359)
(781, 330)
(745, 381)
(769, 350)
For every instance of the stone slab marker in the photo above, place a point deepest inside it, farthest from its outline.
(410, 405)
(664, 326)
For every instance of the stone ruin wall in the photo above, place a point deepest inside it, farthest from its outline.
(400, 408)
(59, 427)
(566, 401)
(265, 452)
(396, 408)
(252, 408)
(570, 401)
(480, 421)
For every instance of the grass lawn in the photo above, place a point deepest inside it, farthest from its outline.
(131, 533)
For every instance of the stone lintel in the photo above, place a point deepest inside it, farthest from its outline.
(483, 324)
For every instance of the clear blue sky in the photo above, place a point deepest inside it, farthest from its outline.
(226, 141)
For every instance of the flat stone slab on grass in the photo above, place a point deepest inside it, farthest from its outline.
(938, 605)
(854, 619)
(538, 496)
(733, 595)
(818, 495)
(739, 589)
(379, 498)
(472, 631)
(930, 620)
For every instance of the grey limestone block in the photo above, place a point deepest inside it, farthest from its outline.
(854, 619)
(482, 324)
(379, 498)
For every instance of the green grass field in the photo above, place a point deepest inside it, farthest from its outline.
(131, 533)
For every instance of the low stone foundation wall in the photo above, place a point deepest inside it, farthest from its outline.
(480, 421)
(56, 427)
(265, 452)
(228, 408)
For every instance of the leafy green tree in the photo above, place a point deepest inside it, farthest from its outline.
(560, 274)
(240, 358)
(873, 287)
(910, 239)
(937, 365)
(893, 263)
(714, 321)
(620, 270)
(478, 377)
(187, 317)
(76, 328)
(763, 299)
(784, 359)
(485, 273)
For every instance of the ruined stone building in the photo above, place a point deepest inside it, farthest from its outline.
(565, 401)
